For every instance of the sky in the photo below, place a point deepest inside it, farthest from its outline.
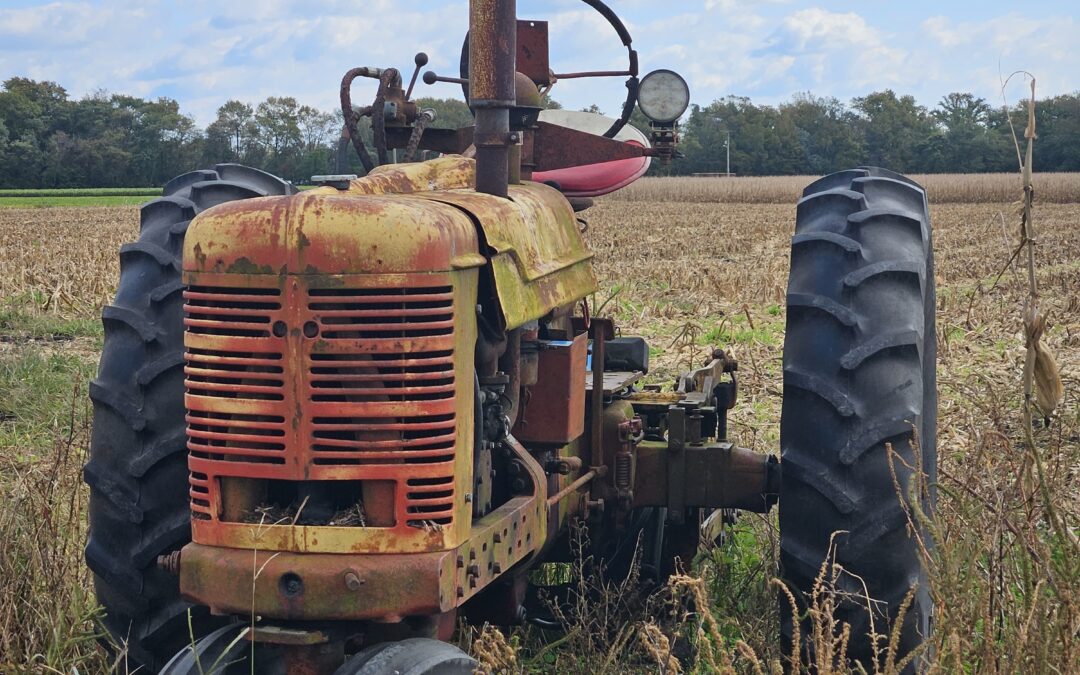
(204, 52)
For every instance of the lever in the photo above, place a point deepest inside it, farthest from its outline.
(431, 78)
(420, 61)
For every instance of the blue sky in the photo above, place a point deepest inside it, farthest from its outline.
(203, 52)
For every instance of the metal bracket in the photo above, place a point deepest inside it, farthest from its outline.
(676, 464)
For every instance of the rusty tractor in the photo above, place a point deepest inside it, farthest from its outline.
(327, 423)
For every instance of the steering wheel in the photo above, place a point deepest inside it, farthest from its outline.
(631, 71)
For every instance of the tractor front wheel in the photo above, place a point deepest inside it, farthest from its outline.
(137, 471)
(859, 418)
(415, 656)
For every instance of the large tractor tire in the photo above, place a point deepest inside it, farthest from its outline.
(137, 470)
(859, 378)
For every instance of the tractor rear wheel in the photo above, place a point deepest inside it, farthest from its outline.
(859, 411)
(137, 470)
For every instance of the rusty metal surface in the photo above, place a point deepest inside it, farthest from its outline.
(312, 586)
(574, 485)
(443, 173)
(492, 58)
(446, 141)
(533, 52)
(553, 410)
(592, 73)
(386, 587)
(716, 475)
(375, 391)
(279, 635)
(492, 52)
(557, 147)
(614, 415)
(615, 380)
(540, 260)
(301, 368)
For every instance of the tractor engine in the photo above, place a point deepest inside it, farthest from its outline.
(344, 394)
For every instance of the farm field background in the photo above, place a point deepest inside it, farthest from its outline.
(690, 264)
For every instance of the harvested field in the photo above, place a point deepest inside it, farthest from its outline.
(690, 264)
(971, 188)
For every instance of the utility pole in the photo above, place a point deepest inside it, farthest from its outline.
(727, 146)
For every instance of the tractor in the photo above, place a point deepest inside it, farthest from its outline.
(327, 423)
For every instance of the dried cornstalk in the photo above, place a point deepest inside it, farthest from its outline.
(1040, 369)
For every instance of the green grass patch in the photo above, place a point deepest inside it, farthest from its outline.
(744, 334)
(52, 201)
(39, 393)
(45, 359)
(18, 323)
(84, 192)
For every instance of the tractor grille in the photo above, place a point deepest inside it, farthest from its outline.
(336, 383)
(388, 375)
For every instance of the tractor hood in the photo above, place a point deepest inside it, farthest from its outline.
(409, 218)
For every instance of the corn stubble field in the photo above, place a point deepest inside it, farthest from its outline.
(688, 263)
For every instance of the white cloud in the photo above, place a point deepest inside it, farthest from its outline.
(204, 52)
(816, 26)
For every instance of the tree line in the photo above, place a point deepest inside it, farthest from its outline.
(49, 140)
(813, 135)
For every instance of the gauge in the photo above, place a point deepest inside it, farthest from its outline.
(663, 96)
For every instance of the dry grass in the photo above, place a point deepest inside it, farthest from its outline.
(1007, 588)
(686, 273)
(63, 260)
(1059, 188)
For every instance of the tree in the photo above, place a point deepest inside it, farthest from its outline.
(1058, 125)
(896, 128)
(236, 119)
(48, 140)
(450, 113)
(968, 143)
(826, 132)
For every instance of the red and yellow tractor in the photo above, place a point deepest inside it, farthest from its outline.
(327, 423)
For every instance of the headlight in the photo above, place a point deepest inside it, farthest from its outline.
(663, 96)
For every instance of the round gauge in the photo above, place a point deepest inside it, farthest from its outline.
(663, 96)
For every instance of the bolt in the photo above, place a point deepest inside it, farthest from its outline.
(353, 582)
(170, 562)
(468, 498)
(498, 568)
(460, 562)
(291, 584)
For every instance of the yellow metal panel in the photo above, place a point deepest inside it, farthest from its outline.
(331, 233)
(538, 256)
(452, 172)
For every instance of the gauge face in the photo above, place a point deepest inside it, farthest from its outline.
(663, 96)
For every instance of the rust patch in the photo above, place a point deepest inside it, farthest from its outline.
(246, 266)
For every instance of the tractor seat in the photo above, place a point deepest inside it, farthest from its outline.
(593, 180)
